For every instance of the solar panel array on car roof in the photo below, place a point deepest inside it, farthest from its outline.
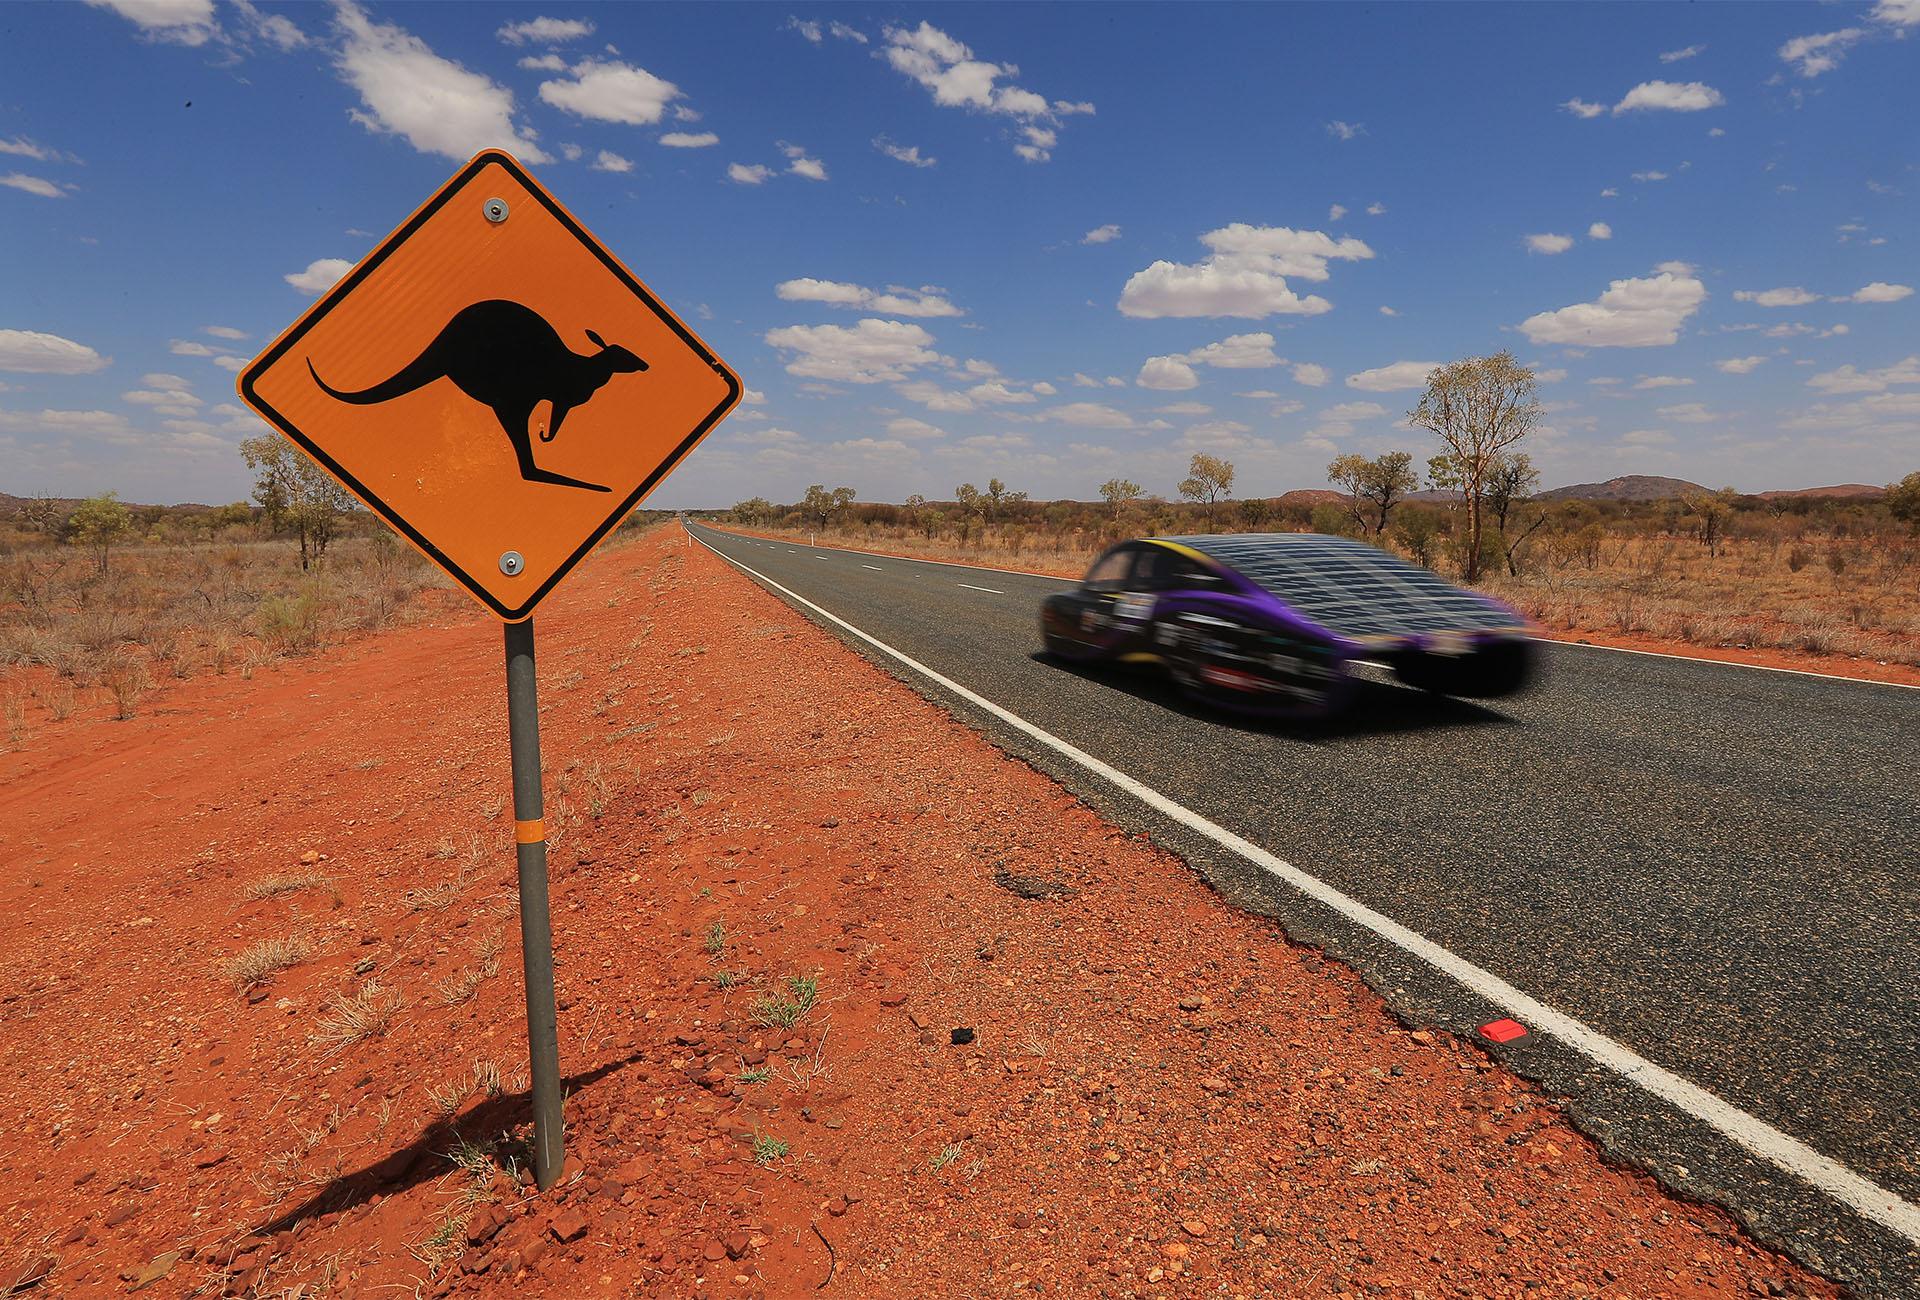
(1349, 587)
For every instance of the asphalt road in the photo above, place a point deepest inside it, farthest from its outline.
(1717, 867)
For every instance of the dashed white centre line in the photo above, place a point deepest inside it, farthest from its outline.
(876, 568)
(989, 590)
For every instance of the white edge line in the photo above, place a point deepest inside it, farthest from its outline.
(906, 559)
(1725, 663)
(1780, 1149)
(991, 591)
(1543, 640)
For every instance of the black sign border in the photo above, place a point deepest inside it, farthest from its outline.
(338, 294)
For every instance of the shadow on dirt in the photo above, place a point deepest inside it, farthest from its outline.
(427, 1156)
(1377, 708)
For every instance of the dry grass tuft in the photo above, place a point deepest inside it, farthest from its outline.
(268, 958)
(363, 1015)
(287, 882)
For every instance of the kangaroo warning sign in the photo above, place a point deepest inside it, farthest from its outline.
(495, 384)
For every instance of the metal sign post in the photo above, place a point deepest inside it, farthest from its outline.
(536, 925)
(498, 387)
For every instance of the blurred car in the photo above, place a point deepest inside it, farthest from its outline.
(1269, 623)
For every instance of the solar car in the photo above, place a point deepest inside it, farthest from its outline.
(1269, 623)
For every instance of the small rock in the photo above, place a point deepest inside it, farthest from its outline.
(1422, 1037)
(568, 1225)
(736, 1244)
(837, 1206)
(1190, 1003)
(33, 1274)
(310, 857)
(962, 1036)
(714, 1252)
(159, 1268)
(893, 998)
(1022, 1221)
(1193, 1227)
(1213, 1083)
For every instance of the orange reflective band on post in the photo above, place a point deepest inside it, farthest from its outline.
(532, 832)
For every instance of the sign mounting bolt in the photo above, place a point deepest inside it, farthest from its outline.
(496, 210)
(511, 563)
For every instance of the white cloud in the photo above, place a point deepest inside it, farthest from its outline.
(1847, 379)
(1101, 235)
(1549, 244)
(611, 91)
(1775, 297)
(1552, 376)
(190, 348)
(1388, 311)
(742, 174)
(1582, 108)
(1311, 375)
(1812, 55)
(956, 79)
(871, 352)
(545, 31)
(1739, 365)
(1339, 420)
(223, 331)
(320, 275)
(908, 427)
(1688, 413)
(1185, 408)
(78, 422)
(1881, 291)
(543, 63)
(1646, 438)
(1394, 378)
(1346, 130)
(1089, 415)
(997, 393)
(165, 394)
(1644, 177)
(33, 185)
(895, 301)
(34, 353)
(1599, 230)
(1237, 352)
(1168, 374)
(689, 140)
(608, 161)
(180, 22)
(436, 105)
(1609, 193)
(1632, 313)
(1045, 389)
(1245, 275)
(807, 28)
(934, 397)
(1897, 13)
(1336, 212)
(810, 168)
(1669, 96)
(1662, 381)
(907, 153)
(21, 147)
(845, 33)
(1674, 56)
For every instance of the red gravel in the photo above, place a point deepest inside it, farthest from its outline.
(1162, 1096)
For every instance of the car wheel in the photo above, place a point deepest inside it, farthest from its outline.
(1320, 686)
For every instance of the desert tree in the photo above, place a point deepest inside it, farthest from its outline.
(1711, 511)
(821, 505)
(1119, 493)
(1255, 511)
(999, 497)
(1510, 483)
(1903, 500)
(295, 494)
(754, 510)
(1477, 407)
(100, 522)
(972, 500)
(1209, 480)
(1373, 487)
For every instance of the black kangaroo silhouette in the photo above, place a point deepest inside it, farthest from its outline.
(507, 357)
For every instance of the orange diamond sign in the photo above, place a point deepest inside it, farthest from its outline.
(493, 383)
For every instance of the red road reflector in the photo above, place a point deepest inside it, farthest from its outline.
(1503, 1031)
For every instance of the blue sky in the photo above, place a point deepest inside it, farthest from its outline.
(1052, 244)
